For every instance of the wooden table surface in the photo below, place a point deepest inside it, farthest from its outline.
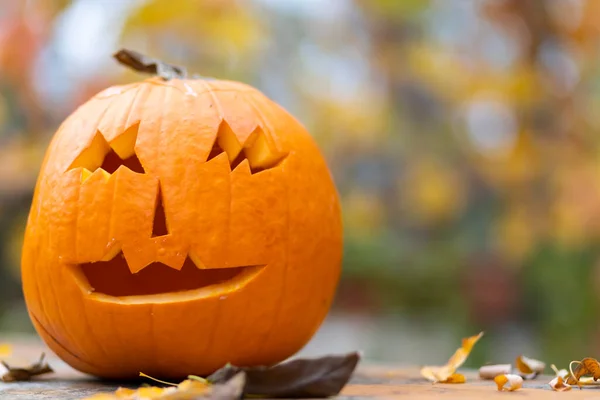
(369, 381)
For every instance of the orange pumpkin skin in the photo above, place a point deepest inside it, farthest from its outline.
(257, 226)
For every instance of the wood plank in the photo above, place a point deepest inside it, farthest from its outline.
(370, 381)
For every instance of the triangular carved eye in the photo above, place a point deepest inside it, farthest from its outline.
(256, 149)
(110, 156)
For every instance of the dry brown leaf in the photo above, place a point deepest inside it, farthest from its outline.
(514, 382)
(492, 371)
(24, 374)
(587, 366)
(559, 385)
(314, 377)
(441, 374)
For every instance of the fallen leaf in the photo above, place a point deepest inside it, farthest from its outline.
(442, 373)
(5, 350)
(437, 374)
(563, 373)
(559, 385)
(529, 368)
(566, 376)
(587, 366)
(146, 393)
(587, 381)
(232, 389)
(456, 378)
(514, 382)
(492, 371)
(24, 374)
(190, 389)
(303, 377)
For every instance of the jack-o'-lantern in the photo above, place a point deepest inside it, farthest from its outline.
(178, 225)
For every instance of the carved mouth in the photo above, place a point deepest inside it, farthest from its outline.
(113, 279)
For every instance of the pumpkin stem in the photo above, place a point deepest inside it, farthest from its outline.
(142, 63)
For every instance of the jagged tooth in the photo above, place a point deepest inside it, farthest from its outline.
(92, 157)
(259, 152)
(113, 250)
(228, 141)
(173, 261)
(97, 175)
(85, 174)
(124, 144)
(242, 168)
(137, 259)
(196, 260)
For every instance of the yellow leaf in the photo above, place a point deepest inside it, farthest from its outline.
(437, 374)
(102, 396)
(456, 378)
(559, 385)
(514, 382)
(188, 389)
(563, 373)
(529, 366)
(443, 373)
(460, 356)
(5, 350)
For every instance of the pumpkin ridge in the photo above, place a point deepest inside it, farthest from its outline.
(52, 286)
(38, 324)
(276, 315)
(99, 345)
(284, 273)
(253, 101)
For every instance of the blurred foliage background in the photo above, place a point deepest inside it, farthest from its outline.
(462, 136)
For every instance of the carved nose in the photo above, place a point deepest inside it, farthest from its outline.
(159, 225)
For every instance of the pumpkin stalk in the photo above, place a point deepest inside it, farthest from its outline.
(142, 63)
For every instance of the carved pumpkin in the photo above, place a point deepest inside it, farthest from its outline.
(178, 225)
